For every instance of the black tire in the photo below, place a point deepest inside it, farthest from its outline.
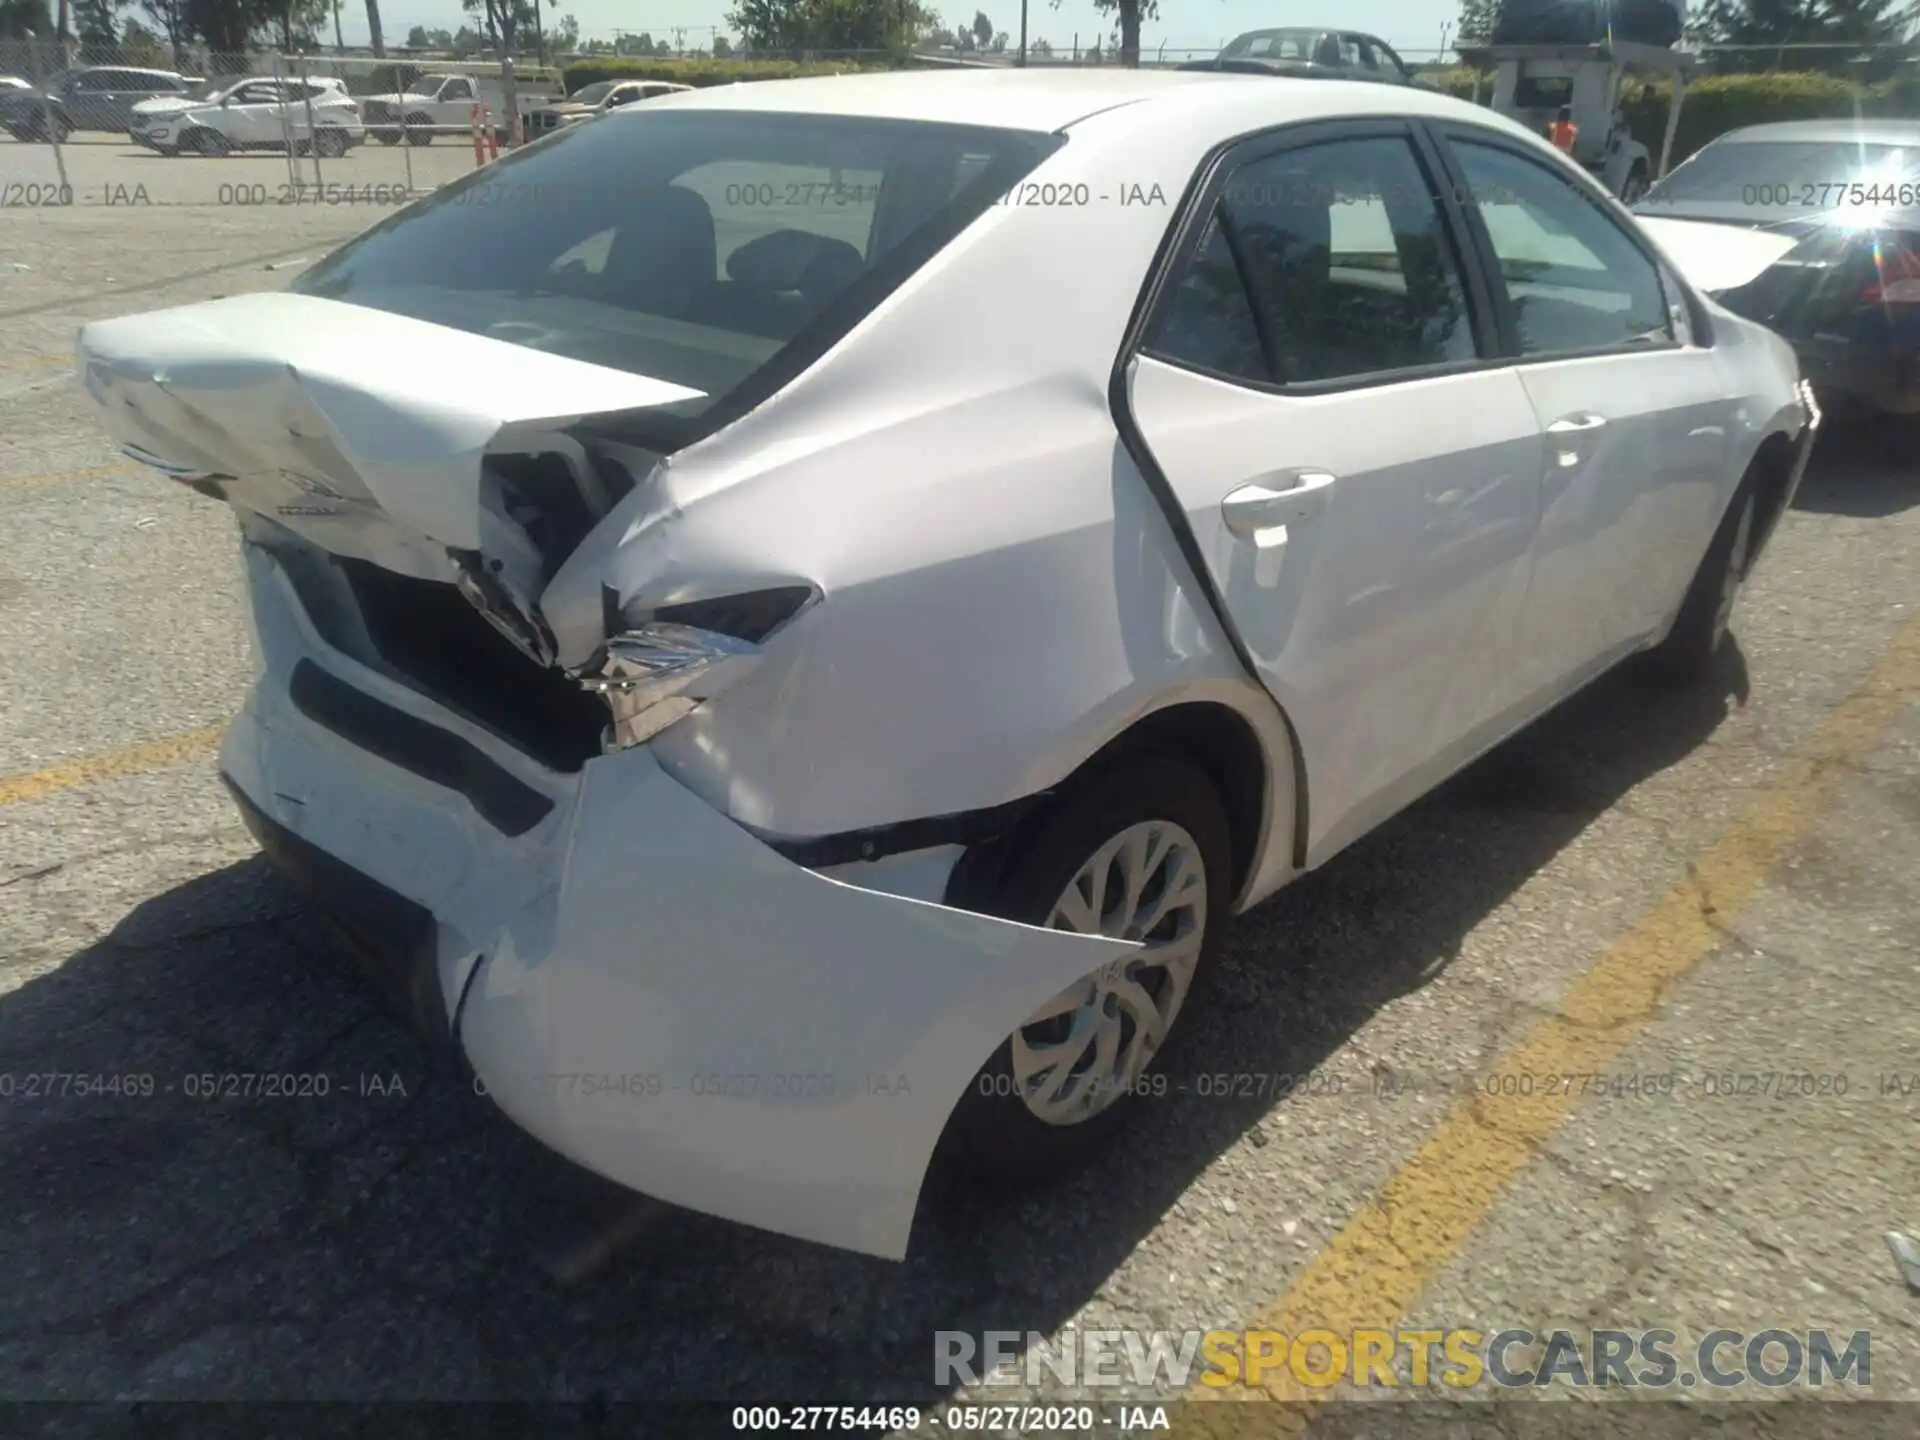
(210, 144)
(992, 1136)
(1635, 190)
(331, 144)
(386, 137)
(416, 133)
(1687, 656)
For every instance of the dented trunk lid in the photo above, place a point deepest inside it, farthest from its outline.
(374, 436)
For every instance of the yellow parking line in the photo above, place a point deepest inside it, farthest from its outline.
(1372, 1271)
(10, 483)
(112, 765)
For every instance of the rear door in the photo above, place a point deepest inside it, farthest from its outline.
(90, 100)
(1319, 388)
(255, 114)
(1637, 416)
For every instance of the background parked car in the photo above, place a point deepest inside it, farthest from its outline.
(256, 114)
(1334, 54)
(597, 99)
(102, 97)
(1769, 176)
(442, 101)
(1846, 296)
(30, 114)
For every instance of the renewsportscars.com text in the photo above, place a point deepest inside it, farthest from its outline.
(1457, 1358)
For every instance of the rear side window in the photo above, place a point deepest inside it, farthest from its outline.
(714, 249)
(1343, 261)
(1207, 320)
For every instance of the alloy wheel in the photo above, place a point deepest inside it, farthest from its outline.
(1087, 1046)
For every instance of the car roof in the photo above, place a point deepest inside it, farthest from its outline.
(1050, 99)
(1866, 131)
(125, 70)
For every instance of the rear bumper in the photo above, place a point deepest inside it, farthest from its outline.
(390, 936)
(1885, 380)
(633, 978)
(1802, 452)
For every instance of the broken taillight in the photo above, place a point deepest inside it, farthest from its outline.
(1896, 263)
(659, 669)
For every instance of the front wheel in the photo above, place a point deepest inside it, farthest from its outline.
(1688, 653)
(210, 143)
(1635, 190)
(331, 144)
(1137, 851)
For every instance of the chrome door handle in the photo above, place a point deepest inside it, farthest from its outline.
(1584, 424)
(1255, 507)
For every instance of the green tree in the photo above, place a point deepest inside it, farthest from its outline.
(417, 38)
(828, 24)
(140, 46)
(21, 18)
(96, 30)
(1476, 21)
(1761, 23)
(982, 29)
(722, 47)
(1131, 13)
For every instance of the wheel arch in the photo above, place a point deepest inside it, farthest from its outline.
(1770, 473)
(1258, 778)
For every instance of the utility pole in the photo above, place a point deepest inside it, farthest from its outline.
(1023, 34)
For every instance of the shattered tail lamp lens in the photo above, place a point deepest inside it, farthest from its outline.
(660, 670)
(659, 673)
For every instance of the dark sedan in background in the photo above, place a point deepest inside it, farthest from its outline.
(1846, 296)
(1311, 51)
(97, 97)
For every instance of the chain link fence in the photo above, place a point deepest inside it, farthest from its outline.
(91, 126)
(145, 124)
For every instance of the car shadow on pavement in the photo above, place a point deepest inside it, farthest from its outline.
(1868, 468)
(365, 1227)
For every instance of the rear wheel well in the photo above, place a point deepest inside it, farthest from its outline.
(1213, 736)
(1768, 474)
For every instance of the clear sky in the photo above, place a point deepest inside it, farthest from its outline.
(1411, 26)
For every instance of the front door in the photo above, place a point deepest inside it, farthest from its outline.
(1637, 418)
(1361, 477)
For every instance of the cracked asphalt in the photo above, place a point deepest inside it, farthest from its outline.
(387, 1236)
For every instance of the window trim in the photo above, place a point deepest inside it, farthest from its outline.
(1444, 133)
(1203, 197)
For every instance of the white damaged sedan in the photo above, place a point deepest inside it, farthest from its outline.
(790, 619)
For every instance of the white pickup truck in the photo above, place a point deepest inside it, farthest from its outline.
(443, 104)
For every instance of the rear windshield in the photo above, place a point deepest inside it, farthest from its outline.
(1797, 174)
(1275, 45)
(721, 250)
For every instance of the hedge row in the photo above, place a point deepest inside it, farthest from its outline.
(701, 72)
(1716, 104)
